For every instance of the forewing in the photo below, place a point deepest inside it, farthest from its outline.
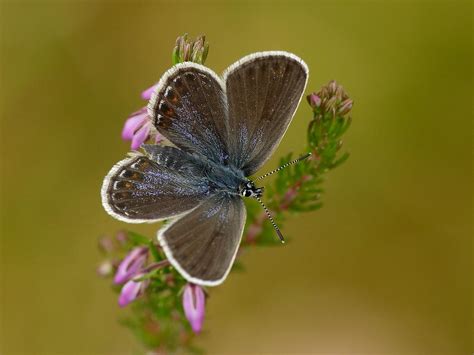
(148, 189)
(202, 244)
(263, 92)
(189, 108)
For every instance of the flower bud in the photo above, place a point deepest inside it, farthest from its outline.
(194, 303)
(131, 265)
(314, 100)
(345, 107)
(331, 99)
(138, 128)
(146, 94)
(330, 103)
(131, 290)
(332, 87)
(188, 50)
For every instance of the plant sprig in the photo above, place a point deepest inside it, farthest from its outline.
(166, 312)
(298, 187)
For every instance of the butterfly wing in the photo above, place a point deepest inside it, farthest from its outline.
(202, 244)
(241, 117)
(263, 91)
(166, 183)
(189, 108)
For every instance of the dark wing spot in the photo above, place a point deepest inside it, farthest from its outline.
(165, 109)
(171, 95)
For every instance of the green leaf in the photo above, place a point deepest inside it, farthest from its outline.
(306, 207)
(346, 126)
(154, 251)
(175, 56)
(339, 161)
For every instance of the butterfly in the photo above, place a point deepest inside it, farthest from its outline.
(223, 129)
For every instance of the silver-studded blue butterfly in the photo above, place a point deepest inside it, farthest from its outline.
(223, 130)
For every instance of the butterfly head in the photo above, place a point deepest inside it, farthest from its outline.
(248, 189)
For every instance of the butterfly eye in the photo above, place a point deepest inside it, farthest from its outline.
(247, 193)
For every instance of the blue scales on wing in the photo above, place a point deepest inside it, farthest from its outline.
(162, 184)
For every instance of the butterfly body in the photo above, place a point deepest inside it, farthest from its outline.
(225, 178)
(223, 130)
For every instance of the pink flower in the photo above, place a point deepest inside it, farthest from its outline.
(331, 99)
(138, 127)
(194, 304)
(314, 100)
(131, 265)
(131, 290)
(146, 95)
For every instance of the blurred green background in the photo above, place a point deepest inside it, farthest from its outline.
(384, 267)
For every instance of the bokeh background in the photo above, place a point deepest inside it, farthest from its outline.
(384, 267)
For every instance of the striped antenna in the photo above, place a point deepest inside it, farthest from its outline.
(271, 219)
(284, 166)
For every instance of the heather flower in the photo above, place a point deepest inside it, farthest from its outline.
(188, 50)
(194, 302)
(314, 100)
(139, 127)
(345, 107)
(131, 265)
(146, 94)
(330, 99)
(132, 289)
